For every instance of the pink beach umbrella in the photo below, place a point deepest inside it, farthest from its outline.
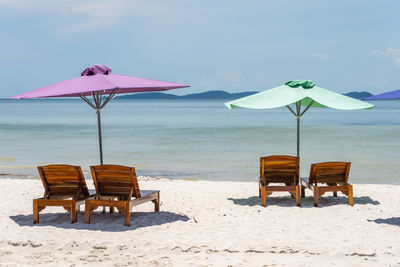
(97, 81)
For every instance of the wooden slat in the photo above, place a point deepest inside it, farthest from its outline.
(59, 167)
(150, 197)
(62, 182)
(116, 184)
(59, 173)
(115, 188)
(64, 187)
(102, 179)
(332, 188)
(109, 174)
(111, 168)
(280, 188)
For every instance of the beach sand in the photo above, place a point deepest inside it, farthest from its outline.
(203, 223)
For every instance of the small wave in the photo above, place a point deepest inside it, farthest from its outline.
(8, 159)
(14, 176)
(17, 167)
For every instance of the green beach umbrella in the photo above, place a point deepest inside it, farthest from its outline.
(299, 93)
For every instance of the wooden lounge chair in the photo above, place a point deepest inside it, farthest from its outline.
(117, 186)
(334, 175)
(64, 186)
(279, 169)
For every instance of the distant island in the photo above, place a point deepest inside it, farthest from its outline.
(212, 95)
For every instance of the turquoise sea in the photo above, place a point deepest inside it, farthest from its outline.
(196, 139)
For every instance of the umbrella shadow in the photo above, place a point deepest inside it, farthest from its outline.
(391, 221)
(307, 202)
(102, 222)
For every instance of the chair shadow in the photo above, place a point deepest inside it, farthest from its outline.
(391, 221)
(102, 222)
(307, 202)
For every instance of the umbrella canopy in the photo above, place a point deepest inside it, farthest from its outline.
(98, 81)
(385, 96)
(98, 78)
(300, 93)
(295, 91)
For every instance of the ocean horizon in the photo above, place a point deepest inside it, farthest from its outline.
(196, 139)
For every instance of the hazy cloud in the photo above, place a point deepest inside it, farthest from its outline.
(90, 14)
(390, 52)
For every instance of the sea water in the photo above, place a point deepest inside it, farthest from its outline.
(196, 139)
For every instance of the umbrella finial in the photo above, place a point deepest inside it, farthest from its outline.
(96, 69)
(306, 84)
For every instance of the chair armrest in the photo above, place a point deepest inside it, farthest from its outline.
(306, 184)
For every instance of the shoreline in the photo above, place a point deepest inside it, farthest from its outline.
(5, 176)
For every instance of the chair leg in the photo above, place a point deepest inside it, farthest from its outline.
(73, 212)
(350, 190)
(335, 194)
(316, 195)
(263, 196)
(87, 212)
(298, 196)
(157, 202)
(303, 192)
(127, 221)
(35, 212)
(119, 210)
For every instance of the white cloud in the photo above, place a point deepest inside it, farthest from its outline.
(392, 53)
(90, 14)
(321, 56)
(377, 52)
(396, 62)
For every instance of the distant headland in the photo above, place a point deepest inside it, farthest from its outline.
(212, 95)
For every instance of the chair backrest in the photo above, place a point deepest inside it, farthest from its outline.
(115, 180)
(279, 169)
(63, 181)
(330, 172)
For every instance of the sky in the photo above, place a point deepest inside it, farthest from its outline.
(231, 45)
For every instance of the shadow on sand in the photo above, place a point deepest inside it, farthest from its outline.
(102, 222)
(307, 202)
(392, 221)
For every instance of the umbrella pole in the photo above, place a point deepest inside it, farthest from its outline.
(97, 105)
(99, 133)
(298, 115)
(298, 136)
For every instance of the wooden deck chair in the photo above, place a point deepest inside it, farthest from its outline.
(334, 174)
(279, 169)
(117, 186)
(65, 186)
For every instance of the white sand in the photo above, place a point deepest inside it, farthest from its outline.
(206, 224)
